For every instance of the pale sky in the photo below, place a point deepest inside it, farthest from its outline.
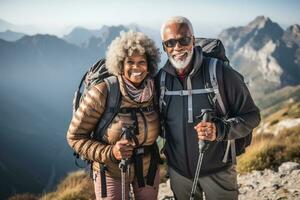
(59, 16)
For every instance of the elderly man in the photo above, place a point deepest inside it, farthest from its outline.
(185, 72)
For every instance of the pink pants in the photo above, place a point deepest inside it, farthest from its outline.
(114, 190)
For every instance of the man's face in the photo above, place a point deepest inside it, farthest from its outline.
(178, 42)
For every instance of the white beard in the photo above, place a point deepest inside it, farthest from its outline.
(178, 64)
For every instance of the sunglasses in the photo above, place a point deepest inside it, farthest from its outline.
(184, 41)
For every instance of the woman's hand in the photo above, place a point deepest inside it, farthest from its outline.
(122, 149)
(206, 131)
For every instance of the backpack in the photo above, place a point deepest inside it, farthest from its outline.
(96, 74)
(215, 49)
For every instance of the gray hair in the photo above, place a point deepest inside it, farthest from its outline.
(176, 20)
(125, 45)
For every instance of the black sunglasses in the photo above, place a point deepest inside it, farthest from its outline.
(184, 41)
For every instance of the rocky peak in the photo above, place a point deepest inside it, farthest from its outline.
(260, 22)
(266, 26)
(294, 30)
(263, 43)
(40, 39)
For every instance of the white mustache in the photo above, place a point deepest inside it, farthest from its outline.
(180, 53)
(181, 64)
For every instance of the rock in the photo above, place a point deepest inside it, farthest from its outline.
(165, 191)
(266, 184)
(276, 186)
(288, 167)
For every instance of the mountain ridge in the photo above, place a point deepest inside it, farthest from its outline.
(39, 75)
(264, 53)
(9, 35)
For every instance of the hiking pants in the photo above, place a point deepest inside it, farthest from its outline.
(218, 186)
(114, 188)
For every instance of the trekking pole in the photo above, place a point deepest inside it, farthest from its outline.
(125, 162)
(203, 146)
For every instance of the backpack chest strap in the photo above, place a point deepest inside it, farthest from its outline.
(190, 100)
(189, 92)
(150, 108)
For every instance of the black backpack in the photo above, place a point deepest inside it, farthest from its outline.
(96, 74)
(215, 49)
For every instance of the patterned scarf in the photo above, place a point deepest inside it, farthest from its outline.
(141, 94)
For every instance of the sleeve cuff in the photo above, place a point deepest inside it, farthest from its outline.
(221, 129)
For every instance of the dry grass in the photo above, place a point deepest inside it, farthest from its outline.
(24, 196)
(269, 151)
(291, 110)
(76, 186)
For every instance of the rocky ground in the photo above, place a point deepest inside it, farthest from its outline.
(261, 185)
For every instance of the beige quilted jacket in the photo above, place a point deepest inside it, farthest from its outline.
(85, 120)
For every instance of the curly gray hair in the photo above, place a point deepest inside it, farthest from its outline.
(125, 45)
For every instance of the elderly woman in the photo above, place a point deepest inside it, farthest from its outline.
(132, 58)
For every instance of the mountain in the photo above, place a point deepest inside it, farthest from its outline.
(11, 35)
(4, 25)
(95, 42)
(80, 35)
(265, 54)
(27, 29)
(87, 38)
(38, 77)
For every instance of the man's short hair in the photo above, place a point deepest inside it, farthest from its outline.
(177, 20)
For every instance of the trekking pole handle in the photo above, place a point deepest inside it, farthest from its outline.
(206, 117)
(126, 135)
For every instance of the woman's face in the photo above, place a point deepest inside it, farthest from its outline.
(135, 68)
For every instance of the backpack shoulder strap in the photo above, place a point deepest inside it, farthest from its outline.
(218, 98)
(111, 109)
(214, 83)
(162, 85)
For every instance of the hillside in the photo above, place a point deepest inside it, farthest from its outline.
(268, 169)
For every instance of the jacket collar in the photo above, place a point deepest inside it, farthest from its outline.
(196, 63)
(127, 100)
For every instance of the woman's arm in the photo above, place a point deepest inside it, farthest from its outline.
(84, 121)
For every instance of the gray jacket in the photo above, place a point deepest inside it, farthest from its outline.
(181, 147)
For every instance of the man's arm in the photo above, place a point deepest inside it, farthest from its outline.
(243, 114)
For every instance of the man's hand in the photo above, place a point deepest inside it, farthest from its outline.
(206, 131)
(122, 149)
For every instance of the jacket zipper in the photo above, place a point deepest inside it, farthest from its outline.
(186, 130)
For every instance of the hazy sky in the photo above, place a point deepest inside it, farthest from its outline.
(58, 16)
